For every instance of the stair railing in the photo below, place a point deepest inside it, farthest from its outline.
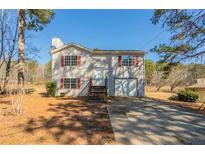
(106, 88)
(90, 85)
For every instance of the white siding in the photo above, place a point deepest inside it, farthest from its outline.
(96, 67)
(84, 71)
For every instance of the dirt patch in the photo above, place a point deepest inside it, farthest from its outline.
(56, 121)
(166, 96)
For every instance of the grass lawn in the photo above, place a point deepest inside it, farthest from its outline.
(49, 120)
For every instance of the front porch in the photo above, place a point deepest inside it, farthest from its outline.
(96, 91)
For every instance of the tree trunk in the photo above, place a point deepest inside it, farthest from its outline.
(21, 29)
(6, 79)
(158, 88)
(172, 88)
(8, 70)
(2, 46)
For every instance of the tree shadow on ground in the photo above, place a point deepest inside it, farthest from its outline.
(5, 102)
(173, 98)
(174, 101)
(147, 121)
(75, 122)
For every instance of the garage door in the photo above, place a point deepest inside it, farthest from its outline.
(125, 87)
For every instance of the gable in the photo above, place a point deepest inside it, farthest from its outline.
(70, 46)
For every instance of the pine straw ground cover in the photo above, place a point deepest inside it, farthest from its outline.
(49, 120)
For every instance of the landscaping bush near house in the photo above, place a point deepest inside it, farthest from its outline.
(62, 94)
(188, 95)
(51, 88)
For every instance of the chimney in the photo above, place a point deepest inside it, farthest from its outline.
(56, 43)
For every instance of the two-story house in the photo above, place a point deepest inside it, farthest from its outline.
(73, 65)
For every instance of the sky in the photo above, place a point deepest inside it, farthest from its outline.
(102, 29)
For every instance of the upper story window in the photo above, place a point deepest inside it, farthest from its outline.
(127, 60)
(70, 60)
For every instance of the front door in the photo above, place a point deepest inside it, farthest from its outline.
(98, 78)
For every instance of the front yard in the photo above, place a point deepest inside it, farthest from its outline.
(170, 98)
(61, 120)
(56, 121)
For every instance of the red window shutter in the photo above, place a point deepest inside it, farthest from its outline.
(61, 83)
(78, 83)
(79, 60)
(136, 60)
(119, 60)
(62, 60)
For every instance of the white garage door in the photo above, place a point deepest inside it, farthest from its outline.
(125, 87)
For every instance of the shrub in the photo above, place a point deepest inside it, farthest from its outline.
(51, 88)
(62, 94)
(188, 95)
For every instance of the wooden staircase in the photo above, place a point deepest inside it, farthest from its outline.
(97, 92)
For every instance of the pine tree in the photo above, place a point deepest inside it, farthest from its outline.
(32, 19)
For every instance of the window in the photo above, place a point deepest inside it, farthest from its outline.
(73, 83)
(127, 60)
(66, 83)
(70, 61)
(70, 83)
(67, 60)
(73, 60)
(131, 60)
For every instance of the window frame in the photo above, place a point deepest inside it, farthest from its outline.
(69, 82)
(67, 61)
(71, 60)
(128, 61)
(66, 85)
(74, 83)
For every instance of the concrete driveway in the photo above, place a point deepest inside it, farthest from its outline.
(145, 121)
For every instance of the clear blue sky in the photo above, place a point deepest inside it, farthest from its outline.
(102, 29)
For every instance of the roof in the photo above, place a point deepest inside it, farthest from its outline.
(118, 52)
(100, 52)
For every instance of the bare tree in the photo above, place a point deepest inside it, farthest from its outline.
(9, 48)
(177, 77)
(48, 69)
(158, 79)
(8, 39)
